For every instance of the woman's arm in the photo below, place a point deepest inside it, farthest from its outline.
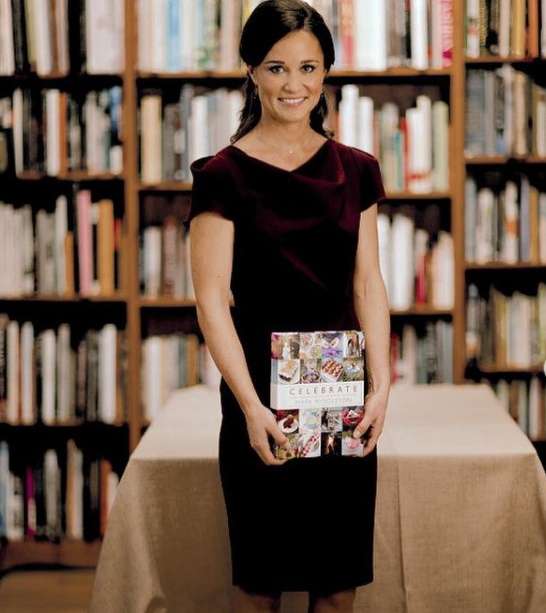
(372, 309)
(211, 255)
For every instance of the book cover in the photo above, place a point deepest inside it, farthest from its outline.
(317, 391)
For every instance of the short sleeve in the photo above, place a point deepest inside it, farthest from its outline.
(210, 189)
(372, 189)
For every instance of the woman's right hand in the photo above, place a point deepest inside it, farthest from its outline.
(260, 423)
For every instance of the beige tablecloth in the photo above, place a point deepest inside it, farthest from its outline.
(460, 524)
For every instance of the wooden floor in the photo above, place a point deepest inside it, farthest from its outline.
(51, 591)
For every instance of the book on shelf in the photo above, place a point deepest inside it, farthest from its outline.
(76, 247)
(179, 36)
(165, 255)
(56, 132)
(506, 329)
(505, 28)
(317, 392)
(505, 219)
(173, 132)
(417, 264)
(525, 401)
(411, 143)
(47, 377)
(170, 362)
(422, 354)
(505, 113)
(58, 37)
(54, 494)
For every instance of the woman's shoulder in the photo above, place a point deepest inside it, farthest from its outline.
(216, 165)
(363, 157)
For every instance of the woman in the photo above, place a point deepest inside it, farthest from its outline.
(285, 217)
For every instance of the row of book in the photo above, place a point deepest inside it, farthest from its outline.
(525, 401)
(165, 260)
(57, 376)
(175, 132)
(172, 361)
(515, 28)
(505, 220)
(422, 354)
(74, 248)
(59, 494)
(505, 113)
(58, 37)
(411, 143)
(417, 266)
(52, 132)
(506, 329)
(177, 35)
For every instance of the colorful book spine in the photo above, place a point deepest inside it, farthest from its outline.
(317, 392)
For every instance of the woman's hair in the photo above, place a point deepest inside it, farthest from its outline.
(270, 21)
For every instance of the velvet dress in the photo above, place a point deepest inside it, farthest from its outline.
(307, 525)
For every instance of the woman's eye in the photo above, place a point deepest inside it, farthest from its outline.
(305, 67)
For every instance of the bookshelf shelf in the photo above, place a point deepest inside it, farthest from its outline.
(497, 60)
(334, 74)
(422, 312)
(147, 303)
(172, 186)
(57, 78)
(414, 196)
(506, 266)
(495, 161)
(67, 553)
(72, 424)
(502, 369)
(119, 298)
(73, 177)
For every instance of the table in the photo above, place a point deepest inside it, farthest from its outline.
(460, 524)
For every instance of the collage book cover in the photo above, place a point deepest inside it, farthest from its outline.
(317, 392)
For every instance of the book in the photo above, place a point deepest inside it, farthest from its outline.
(318, 391)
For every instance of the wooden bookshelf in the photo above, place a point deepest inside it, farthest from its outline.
(136, 307)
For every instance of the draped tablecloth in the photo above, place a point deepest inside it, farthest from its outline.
(460, 519)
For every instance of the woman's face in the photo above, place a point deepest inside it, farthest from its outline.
(289, 79)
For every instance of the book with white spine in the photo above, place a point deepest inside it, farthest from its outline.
(484, 226)
(49, 367)
(7, 48)
(402, 261)
(348, 114)
(63, 372)
(28, 415)
(53, 145)
(365, 124)
(419, 34)
(42, 37)
(13, 362)
(107, 373)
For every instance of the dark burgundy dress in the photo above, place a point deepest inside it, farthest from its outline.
(307, 525)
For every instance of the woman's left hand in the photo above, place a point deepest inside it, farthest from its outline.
(375, 408)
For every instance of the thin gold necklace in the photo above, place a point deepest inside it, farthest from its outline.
(290, 151)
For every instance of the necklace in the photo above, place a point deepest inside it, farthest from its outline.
(290, 151)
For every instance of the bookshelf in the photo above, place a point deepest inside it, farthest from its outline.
(143, 316)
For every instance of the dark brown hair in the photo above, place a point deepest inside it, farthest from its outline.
(270, 21)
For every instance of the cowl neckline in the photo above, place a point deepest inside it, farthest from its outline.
(237, 151)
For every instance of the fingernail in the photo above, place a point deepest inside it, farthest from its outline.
(355, 435)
